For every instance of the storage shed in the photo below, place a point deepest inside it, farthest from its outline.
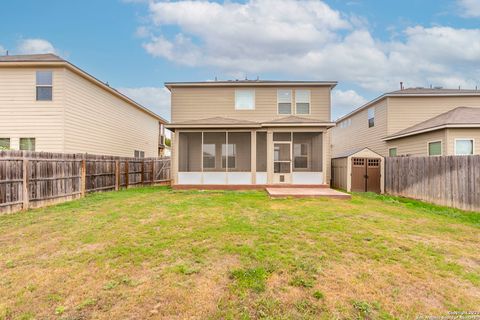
(358, 170)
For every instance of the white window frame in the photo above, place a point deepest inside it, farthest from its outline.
(20, 143)
(309, 102)
(463, 139)
(244, 90)
(42, 85)
(393, 148)
(306, 156)
(291, 102)
(441, 148)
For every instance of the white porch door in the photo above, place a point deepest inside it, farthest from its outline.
(282, 162)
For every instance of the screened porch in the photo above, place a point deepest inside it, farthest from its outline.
(250, 157)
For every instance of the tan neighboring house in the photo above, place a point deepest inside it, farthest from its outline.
(412, 122)
(48, 104)
(238, 133)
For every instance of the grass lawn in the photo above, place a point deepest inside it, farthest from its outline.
(154, 253)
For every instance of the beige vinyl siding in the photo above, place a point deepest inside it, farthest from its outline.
(359, 135)
(417, 145)
(98, 122)
(21, 116)
(453, 134)
(404, 112)
(199, 103)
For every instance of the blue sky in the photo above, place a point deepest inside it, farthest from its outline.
(366, 45)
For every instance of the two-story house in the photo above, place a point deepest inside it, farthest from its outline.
(48, 104)
(413, 122)
(257, 133)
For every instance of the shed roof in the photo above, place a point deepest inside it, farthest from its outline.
(460, 117)
(352, 152)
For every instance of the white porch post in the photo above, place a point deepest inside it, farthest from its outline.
(174, 157)
(325, 156)
(269, 156)
(253, 158)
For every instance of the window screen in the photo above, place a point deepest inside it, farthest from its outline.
(302, 100)
(244, 99)
(44, 85)
(27, 144)
(463, 147)
(435, 148)
(284, 98)
(4, 143)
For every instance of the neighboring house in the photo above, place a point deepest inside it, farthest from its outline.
(48, 104)
(455, 132)
(414, 122)
(250, 132)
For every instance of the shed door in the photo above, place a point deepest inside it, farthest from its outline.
(358, 174)
(365, 175)
(373, 175)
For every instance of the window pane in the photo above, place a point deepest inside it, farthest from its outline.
(371, 122)
(208, 156)
(300, 163)
(44, 78)
(242, 142)
(281, 152)
(392, 152)
(284, 108)
(261, 151)
(27, 144)
(189, 151)
(463, 147)
(435, 148)
(216, 140)
(300, 149)
(44, 93)
(284, 96)
(302, 96)
(244, 99)
(282, 136)
(371, 113)
(4, 143)
(229, 152)
(303, 108)
(281, 167)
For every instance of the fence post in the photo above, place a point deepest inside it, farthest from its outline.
(126, 174)
(143, 172)
(83, 183)
(26, 198)
(154, 165)
(117, 175)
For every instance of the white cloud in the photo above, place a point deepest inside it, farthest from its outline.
(308, 39)
(35, 46)
(3, 51)
(469, 8)
(153, 98)
(345, 101)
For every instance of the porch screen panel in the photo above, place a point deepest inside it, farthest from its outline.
(213, 148)
(307, 152)
(240, 143)
(190, 152)
(261, 152)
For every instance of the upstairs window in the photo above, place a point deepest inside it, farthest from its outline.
(244, 99)
(27, 144)
(284, 100)
(435, 148)
(302, 101)
(371, 117)
(44, 86)
(4, 144)
(463, 147)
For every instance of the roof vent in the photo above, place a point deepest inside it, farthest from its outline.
(437, 88)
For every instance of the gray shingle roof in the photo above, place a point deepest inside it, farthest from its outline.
(31, 57)
(458, 117)
(295, 119)
(217, 121)
(433, 91)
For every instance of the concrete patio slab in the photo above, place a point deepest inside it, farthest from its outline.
(306, 193)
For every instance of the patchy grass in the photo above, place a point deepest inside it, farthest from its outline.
(154, 252)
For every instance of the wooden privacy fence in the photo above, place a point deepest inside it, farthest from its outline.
(36, 179)
(452, 181)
